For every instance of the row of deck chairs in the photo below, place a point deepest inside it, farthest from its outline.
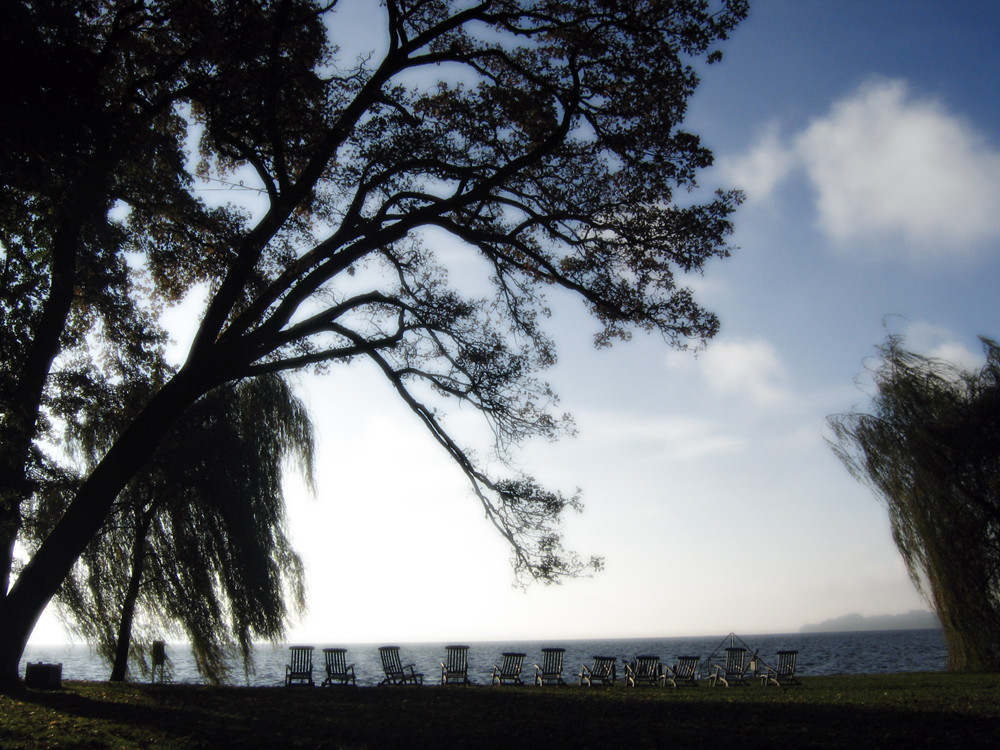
(454, 670)
(641, 670)
(647, 670)
(739, 664)
(299, 670)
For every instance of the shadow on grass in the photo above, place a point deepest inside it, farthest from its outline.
(204, 717)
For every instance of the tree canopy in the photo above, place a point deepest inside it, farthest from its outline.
(929, 448)
(543, 137)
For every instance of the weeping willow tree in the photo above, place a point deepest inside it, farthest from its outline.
(196, 546)
(930, 451)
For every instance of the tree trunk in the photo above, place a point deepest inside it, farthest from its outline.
(44, 573)
(21, 414)
(120, 666)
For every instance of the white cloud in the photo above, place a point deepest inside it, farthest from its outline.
(883, 162)
(761, 169)
(893, 174)
(752, 368)
(936, 341)
(668, 437)
(741, 368)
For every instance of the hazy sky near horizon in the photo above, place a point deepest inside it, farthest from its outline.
(867, 138)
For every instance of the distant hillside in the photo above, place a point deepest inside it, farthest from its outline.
(913, 619)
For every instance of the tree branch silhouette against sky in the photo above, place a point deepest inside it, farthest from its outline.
(545, 138)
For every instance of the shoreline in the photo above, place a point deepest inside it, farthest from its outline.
(819, 654)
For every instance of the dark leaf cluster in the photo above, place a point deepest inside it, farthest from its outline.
(196, 545)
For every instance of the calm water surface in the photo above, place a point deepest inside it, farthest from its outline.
(819, 654)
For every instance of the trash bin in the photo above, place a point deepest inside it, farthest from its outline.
(159, 659)
(43, 676)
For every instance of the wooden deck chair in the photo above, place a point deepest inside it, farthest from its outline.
(604, 671)
(734, 671)
(644, 670)
(684, 672)
(784, 673)
(455, 667)
(395, 672)
(550, 672)
(337, 668)
(509, 670)
(299, 670)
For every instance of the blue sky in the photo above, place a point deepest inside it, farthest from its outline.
(867, 137)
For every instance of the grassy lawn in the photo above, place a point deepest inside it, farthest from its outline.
(870, 711)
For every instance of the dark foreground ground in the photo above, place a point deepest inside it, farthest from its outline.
(871, 711)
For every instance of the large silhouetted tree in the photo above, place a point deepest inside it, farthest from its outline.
(542, 137)
(930, 450)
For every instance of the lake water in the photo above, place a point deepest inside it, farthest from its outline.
(819, 654)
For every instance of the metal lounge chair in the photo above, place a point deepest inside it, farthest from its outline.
(734, 671)
(784, 673)
(509, 670)
(455, 667)
(684, 672)
(602, 672)
(299, 670)
(395, 672)
(550, 672)
(337, 668)
(644, 670)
